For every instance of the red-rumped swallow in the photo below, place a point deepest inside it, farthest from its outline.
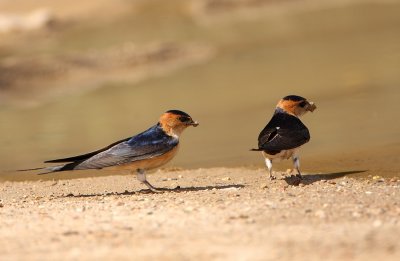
(285, 133)
(147, 150)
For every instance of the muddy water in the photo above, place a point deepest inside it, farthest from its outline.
(346, 60)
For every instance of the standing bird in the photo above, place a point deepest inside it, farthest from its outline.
(147, 150)
(285, 133)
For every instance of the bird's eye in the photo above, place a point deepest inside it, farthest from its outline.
(184, 119)
(303, 104)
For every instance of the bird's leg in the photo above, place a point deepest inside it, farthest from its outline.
(268, 162)
(141, 176)
(296, 162)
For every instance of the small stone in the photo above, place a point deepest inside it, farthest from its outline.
(180, 176)
(226, 178)
(1, 205)
(264, 186)
(320, 213)
(82, 209)
(308, 211)
(376, 177)
(189, 209)
(377, 223)
(149, 213)
(230, 189)
(368, 192)
(242, 216)
(120, 204)
(70, 233)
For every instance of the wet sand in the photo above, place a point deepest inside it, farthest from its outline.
(216, 214)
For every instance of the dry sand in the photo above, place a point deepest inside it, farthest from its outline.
(216, 214)
(220, 213)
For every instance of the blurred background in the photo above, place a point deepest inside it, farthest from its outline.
(76, 77)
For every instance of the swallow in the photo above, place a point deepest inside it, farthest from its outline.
(285, 133)
(147, 150)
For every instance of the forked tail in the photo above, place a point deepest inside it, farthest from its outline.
(47, 170)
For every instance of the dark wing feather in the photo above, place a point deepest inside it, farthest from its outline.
(283, 132)
(125, 153)
(87, 155)
(151, 143)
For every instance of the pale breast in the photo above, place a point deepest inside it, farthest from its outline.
(284, 154)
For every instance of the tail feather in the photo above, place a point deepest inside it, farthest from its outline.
(22, 170)
(256, 150)
(48, 170)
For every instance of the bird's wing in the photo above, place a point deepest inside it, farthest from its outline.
(148, 144)
(283, 132)
(126, 152)
(87, 155)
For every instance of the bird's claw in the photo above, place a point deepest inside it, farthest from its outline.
(154, 190)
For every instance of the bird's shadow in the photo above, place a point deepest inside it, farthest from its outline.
(290, 180)
(312, 178)
(148, 191)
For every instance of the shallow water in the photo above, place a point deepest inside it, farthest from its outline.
(346, 60)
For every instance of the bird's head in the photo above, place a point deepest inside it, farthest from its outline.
(295, 105)
(174, 122)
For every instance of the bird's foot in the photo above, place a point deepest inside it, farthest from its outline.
(298, 175)
(152, 188)
(271, 177)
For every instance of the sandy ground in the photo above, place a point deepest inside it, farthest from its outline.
(128, 56)
(216, 214)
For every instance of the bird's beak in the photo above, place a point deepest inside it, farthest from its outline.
(193, 123)
(311, 106)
